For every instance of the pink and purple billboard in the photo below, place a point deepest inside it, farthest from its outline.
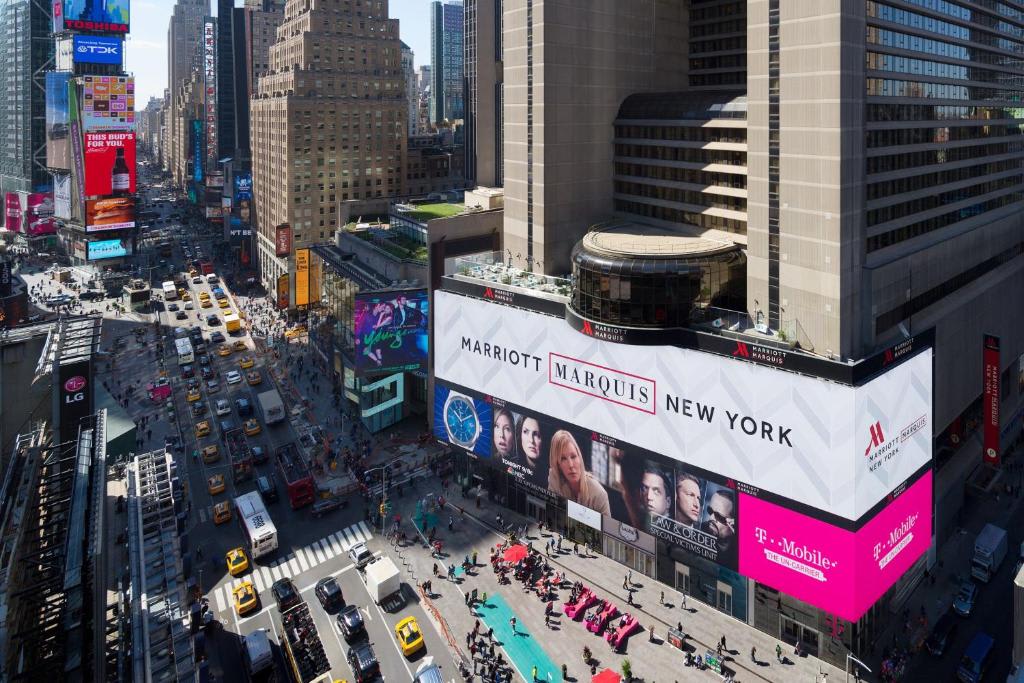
(840, 571)
(38, 215)
(12, 212)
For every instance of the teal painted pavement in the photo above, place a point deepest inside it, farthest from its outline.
(521, 647)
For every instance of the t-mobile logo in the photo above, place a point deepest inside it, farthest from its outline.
(877, 438)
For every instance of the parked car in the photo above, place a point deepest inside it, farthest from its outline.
(363, 662)
(285, 594)
(360, 555)
(963, 603)
(322, 507)
(328, 592)
(350, 623)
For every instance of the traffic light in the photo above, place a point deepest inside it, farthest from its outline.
(383, 509)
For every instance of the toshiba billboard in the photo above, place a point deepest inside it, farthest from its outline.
(832, 447)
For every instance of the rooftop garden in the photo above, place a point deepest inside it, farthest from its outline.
(426, 212)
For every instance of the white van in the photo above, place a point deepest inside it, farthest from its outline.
(256, 652)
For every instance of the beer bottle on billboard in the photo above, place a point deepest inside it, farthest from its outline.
(120, 178)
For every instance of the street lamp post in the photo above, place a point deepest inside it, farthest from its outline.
(382, 511)
(850, 658)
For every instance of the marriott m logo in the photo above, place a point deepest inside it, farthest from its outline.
(741, 350)
(877, 438)
(588, 328)
(488, 293)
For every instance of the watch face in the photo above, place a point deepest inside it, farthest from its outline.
(461, 421)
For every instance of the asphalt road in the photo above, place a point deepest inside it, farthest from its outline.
(309, 549)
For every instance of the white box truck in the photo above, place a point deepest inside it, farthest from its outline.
(989, 551)
(256, 652)
(271, 406)
(382, 579)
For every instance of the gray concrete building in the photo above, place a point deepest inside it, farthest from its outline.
(184, 31)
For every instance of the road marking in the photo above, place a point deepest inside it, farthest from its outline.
(275, 573)
(324, 549)
(337, 545)
(293, 567)
(257, 581)
(368, 534)
(317, 553)
(301, 557)
(202, 515)
(219, 600)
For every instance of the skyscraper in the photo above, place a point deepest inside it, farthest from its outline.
(184, 33)
(446, 27)
(328, 123)
(411, 91)
(484, 90)
(226, 117)
(27, 50)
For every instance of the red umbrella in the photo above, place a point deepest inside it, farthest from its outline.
(606, 676)
(515, 553)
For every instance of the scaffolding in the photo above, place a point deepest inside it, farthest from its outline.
(162, 646)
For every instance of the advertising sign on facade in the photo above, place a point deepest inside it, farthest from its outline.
(5, 278)
(282, 292)
(108, 103)
(109, 164)
(12, 212)
(463, 420)
(62, 196)
(198, 150)
(97, 49)
(302, 279)
(58, 140)
(104, 249)
(990, 399)
(243, 197)
(391, 330)
(840, 571)
(837, 448)
(283, 239)
(74, 396)
(37, 218)
(112, 213)
(93, 16)
(210, 88)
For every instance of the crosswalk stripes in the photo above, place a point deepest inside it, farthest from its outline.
(300, 561)
(202, 515)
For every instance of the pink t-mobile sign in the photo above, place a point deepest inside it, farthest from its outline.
(836, 570)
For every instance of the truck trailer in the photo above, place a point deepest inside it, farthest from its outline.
(989, 551)
(295, 474)
(239, 454)
(303, 649)
(271, 407)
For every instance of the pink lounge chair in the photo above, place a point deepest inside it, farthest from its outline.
(576, 610)
(618, 640)
(608, 611)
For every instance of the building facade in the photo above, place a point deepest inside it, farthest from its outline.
(446, 30)
(328, 124)
(28, 52)
(484, 92)
(412, 94)
(226, 115)
(184, 33)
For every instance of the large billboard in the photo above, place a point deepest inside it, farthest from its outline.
(210, 88)
(97, 49)
(109, 164)
(243, 196)
(93, 16)
(198, 150)
(12, 212)
(391, 330)
(282, 292)
(307, 282)
(74, 396)
(104, 249)
(991, 397)
(107, 103)
(837, 448)
(112, 213)
(37, 216)
(62, 196)
(58, 121)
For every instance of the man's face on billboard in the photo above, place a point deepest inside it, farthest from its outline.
(687, 501)
(721, 520)
(654, 494)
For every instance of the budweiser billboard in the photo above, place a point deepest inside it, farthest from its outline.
(990, 399)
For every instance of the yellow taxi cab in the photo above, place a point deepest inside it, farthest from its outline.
(202, 429)
(193, 395)
(192, 272)
(238, 345)
(206, 303)
(223, 303)
(253, 378)
(215, 484)
(181, 292)
(245, 598)
(246, 362)
(295, 332)
(252, 427)
(210, 454)
(223, 350)
(186, 297)
(204, 295)
(410, 639)
(222, 512)
(237, 561)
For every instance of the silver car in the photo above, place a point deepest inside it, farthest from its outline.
(360, 555)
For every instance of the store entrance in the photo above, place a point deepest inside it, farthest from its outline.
(794, 632)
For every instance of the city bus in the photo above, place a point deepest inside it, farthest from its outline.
(185, 353)
(259, 530)
(170, 290)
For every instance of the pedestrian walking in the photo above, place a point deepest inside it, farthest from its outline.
(512, 623)
(629, 577)
(575, 548)
(684, 600)
(629, 598)
(625, 583)
(469, 640)
(474, 558)
(753, 655)
(490, 631)
(722, 642)
(533, 672)
(661, 600)
(778, 652)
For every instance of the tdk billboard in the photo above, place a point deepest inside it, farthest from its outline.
(98, 49)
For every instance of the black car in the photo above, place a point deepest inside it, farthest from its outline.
(212, 320)
(364, 663)
(217, 337)
(188, 371)
(328, 592)
(204, 359)
(322, 507)
(199, 409)
(267, 490)
(91, 295)
(172, 307)
(181, 315)
(206, 371)
(259, 455)
(942, 635)
(285, 594)
(350, 623)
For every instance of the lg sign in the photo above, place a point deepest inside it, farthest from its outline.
(74, 388)
(98, 49)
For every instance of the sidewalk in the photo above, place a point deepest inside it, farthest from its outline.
(650, 660)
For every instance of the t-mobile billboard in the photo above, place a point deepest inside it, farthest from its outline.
(833, 447)
(840, 571)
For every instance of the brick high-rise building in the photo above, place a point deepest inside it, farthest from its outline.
(327, 123)
(184, 32)
(484, 91)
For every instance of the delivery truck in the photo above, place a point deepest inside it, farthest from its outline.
(989, 551)
(256, 652)
(271, 407)
(382, 579)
